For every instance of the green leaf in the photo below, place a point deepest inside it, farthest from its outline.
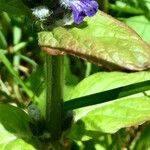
(141, 25)
(3, 42)
(14, 127)
(18, 144)
(13, 7)
(10, 68)
(104, 81)
(143, 141)
(110, 117)
(102, 40)
(106, 96)
(17, 34)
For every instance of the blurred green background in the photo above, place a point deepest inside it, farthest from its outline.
(22, 70)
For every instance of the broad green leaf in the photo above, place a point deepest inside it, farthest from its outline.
(111, 116)
(14, 127)
(102, 40)
(104, 81)
(17, 144)
(141, 25)
(13, 7)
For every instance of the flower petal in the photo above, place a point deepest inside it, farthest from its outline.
(83, 8)
(91, 7)
(78, 12)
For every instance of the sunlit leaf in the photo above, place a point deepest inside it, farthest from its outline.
(17, 144)
(112, 116)
(102, 40)
(141, 25)
(14, 127)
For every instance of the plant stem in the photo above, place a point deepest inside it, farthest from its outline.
(104, 5)
(54, 96)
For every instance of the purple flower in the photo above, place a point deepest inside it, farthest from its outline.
(83, 8)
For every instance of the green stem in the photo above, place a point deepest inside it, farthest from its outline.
(54, 96)
(104, 4)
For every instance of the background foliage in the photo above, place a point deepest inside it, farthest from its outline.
(22, 81)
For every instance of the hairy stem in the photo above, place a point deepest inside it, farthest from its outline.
(54, 96)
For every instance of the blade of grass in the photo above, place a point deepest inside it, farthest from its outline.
(10, 68)
(19, 46)
(3, 42)
(28, 60)
(107, 96)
